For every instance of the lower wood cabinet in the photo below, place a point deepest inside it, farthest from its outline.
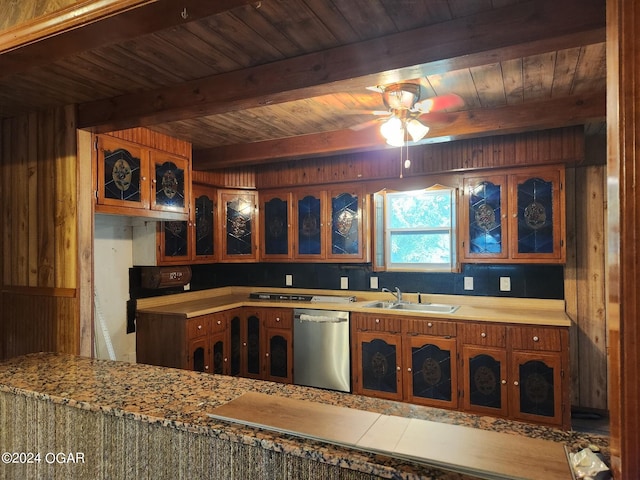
(405, 359)
(516, 371)
(512, 371)
(262, 343)
(248, 342)
(201, 343)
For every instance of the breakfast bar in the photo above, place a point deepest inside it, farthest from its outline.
(86, 418)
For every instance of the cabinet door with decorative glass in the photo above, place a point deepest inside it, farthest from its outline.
(347, 215)
(238, 211)
(310, 235)
(538, 218)
(170, 183)
(276, 233)
(122, 173)
(484, 225)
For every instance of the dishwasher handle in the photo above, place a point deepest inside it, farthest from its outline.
(305, 317)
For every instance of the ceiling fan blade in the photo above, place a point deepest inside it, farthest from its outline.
(441, 102)
(430, 118)
(363, 125)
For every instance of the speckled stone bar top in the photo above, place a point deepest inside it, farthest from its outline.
(181, 399)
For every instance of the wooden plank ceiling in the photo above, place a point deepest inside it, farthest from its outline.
(255, 82)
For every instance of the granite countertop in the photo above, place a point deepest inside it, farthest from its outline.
(181, 399)
(494, 309)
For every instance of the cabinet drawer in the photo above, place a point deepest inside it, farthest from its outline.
(535, 338)
(218, 324)
(486, 334)
(198, 327)
(279, 319)
(377, 323)
(428, 326)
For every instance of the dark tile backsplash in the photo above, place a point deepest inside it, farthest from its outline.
(527, 281)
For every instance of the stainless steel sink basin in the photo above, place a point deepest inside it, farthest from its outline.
(414, 307)
(426, 307)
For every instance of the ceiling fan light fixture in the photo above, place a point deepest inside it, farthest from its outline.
(416, 129)
(393, 132)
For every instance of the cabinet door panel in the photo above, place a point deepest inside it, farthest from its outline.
(204, 222)
(279, 355)
(346, 216)
(430, 364)
(238, 212)
(174, 242)
(277, 235)
(538, 220)
(253, 347)
(198, 355)
(170, 183)
(122, 174)
(536, 380)
(484, 227)
(220, 356)
(378, 357)
(310, 234)
(485, 380)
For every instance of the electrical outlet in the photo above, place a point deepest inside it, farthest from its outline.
(505, 284)
(288, 280)
(373, 283)
(468, 283)
(344, 283)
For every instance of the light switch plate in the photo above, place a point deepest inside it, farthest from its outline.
(344, 283)
(373, 283)
(505, 284)
(288, 280)
(468, 283)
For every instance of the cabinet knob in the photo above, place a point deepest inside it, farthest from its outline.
(244, 344)
(483, 335)
(219, 322)
(266, 354)
(429, 324)
(503, 382)
(398, 368)
(225, 359)
(377, 320)
(206, 367)
(277, 319)
(199, 327)
(516, 383)
(536, 339)
(409, 369)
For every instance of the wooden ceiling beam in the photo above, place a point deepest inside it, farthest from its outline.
(93, 23)
(554, 113)
(514, 31)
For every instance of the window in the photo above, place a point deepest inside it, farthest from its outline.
(415, 230)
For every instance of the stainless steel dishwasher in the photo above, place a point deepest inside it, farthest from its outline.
(321, 349)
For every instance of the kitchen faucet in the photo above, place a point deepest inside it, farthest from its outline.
(397, 293)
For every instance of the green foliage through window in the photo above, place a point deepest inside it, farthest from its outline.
(419, 229)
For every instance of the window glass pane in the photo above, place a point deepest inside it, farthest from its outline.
(419, 247)
(419, 209)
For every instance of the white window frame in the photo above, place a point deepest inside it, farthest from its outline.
(383, 233)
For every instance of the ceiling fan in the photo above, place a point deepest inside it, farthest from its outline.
(405, 110)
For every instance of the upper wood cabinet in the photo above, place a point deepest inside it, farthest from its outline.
(140, 181)
(514, 217)
(191, 241)
(329, 225)
(238, 211)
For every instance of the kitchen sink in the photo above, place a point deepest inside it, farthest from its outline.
(426, 307)
(414, 307)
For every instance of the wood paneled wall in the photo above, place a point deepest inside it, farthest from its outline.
(39, 199)
(585, 284)
(563, 145)
(156, 140)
